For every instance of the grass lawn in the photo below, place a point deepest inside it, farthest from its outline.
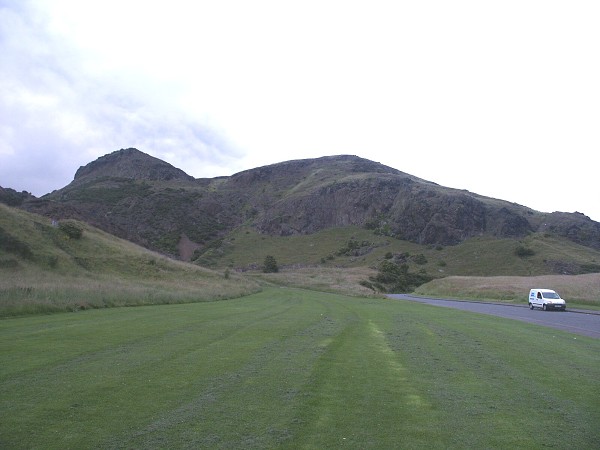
(290, 368)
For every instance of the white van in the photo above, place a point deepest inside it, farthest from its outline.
(546, 299)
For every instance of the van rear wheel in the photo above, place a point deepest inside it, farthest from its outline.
(544, 307)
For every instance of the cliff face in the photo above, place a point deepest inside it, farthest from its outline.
(150, 202)
(397, 205)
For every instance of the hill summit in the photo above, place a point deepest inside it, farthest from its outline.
(131, 163)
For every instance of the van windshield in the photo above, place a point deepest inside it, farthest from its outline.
(550, 295)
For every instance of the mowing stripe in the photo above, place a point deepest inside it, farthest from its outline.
(414, 399)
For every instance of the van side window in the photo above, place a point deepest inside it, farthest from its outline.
(539, 295)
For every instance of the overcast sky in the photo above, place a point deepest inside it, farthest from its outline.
(501, 98)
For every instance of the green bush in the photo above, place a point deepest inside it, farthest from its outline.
(71, 228)
(420, 259)
(396, 278)
(270, 265)
(354, 248)
(522, 252)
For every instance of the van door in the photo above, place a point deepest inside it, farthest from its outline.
(538, 300)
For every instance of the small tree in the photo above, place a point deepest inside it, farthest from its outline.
(270, 265)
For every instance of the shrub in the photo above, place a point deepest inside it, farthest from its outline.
(367, 284)
(270, 265)
(420, 259)
(354, 248)
(522, 252)
(393, 277)
(71, 228)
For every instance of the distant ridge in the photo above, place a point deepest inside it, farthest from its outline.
(148, 201)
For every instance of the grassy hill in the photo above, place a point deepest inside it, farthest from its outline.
(350, 247)
(46, 268)
(340, 259)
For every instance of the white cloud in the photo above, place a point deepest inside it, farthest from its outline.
(469, 94)
(58, 114)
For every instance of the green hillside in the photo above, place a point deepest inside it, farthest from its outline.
(48, 267)
(342, 259)
(536, 254)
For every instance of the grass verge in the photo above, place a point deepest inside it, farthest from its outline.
(23, 294)
(289, 368)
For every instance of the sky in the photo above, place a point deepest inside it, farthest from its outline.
(500, 98)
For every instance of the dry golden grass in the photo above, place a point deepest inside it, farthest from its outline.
(328, 279)
(576, 289)
(46, 292)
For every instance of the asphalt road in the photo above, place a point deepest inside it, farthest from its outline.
(586, 323)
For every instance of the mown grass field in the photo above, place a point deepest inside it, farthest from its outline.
(291, 368)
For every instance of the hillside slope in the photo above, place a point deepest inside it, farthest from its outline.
(69, 265)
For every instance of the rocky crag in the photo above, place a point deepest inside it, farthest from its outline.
(148, 201)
